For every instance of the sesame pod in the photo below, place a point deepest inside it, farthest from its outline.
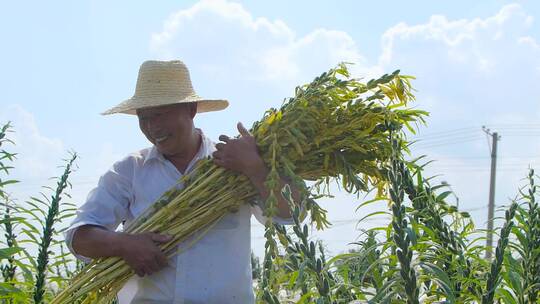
(304, 249)
(312, 249)
(326, 286)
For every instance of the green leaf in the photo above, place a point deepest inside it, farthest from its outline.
(292, 279)
(508, 297)
(6, 253)
(7, 182)
(7, 289)
(442, 280)
(442, 196)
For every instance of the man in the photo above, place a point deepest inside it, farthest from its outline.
(217, 268)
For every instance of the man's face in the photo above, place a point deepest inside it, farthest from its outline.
(168, 127)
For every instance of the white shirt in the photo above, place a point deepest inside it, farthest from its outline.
(216, 269)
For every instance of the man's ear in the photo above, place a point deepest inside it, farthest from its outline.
(193, 109)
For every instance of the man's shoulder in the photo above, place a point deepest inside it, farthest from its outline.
(134, 159)
(138, 156)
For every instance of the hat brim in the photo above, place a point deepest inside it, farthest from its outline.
(130, 106)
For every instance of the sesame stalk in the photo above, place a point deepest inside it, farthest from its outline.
(496, 264)
(48, 230)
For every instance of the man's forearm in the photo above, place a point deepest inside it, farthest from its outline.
(258, 179)
(96, 242)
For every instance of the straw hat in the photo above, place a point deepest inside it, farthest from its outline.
(163, 83)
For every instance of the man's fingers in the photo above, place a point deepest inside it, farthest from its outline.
(154, 265)
(217, 155)
(161, 259)
(243, 131)
(218, 161)
(220, 146)
(224, 138)
(161, 238)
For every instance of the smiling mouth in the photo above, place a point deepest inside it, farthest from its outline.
(161, 139)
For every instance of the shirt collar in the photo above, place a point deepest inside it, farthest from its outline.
(153, 154)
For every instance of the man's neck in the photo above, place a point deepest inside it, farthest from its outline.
(181, 160)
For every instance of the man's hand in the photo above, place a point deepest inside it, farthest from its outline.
(240, 154)
(142, 253)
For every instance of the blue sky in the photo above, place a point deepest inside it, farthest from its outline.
(477, 63)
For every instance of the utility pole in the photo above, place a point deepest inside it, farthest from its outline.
(491, 206)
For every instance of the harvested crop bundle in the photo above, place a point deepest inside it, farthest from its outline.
(336, 127)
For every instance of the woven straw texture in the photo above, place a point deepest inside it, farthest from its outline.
(163, 83)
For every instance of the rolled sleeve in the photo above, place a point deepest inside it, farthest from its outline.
(69, 239)
(107, 205)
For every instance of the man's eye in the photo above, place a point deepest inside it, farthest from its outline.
(148, 117)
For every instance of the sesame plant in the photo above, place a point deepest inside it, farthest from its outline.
(34, 263)
(522, 261)
(428, 253)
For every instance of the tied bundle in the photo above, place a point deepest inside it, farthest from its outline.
(334, 128)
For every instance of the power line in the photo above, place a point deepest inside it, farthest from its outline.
(514, 125)
(522, 134)
(449, 132)
(441, 140)
(481, 165)
(530, 129)
(422, 139)
(486, 157)
(433, 145)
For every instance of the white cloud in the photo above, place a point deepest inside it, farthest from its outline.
(224, 38)
(38, 155)
(252, 61)
(473, 72)
(464, 61)
(481, 64)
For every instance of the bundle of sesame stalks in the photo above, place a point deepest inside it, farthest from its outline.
(334, 128)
